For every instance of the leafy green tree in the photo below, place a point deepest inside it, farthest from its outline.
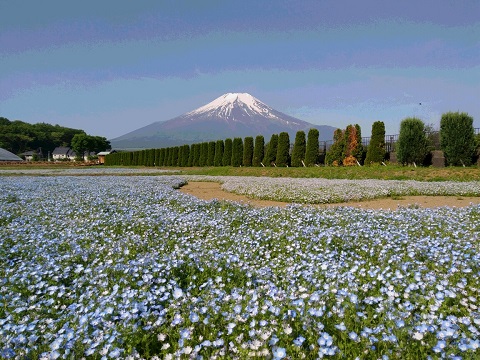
(271, 153)
(283, 149)
(237, 151)
(211, 153)
(334, 155)
(258, 152)
(412, 145)
(311, 153)
(457, 138)
(218, 153)
(376, 147)
(227, 154)
(190, 156)
(299, 149)
(248, 151)
(80, 144)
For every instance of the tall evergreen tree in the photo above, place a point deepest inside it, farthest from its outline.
(211, 153)
(248, 151)
(190, 156)
(196, 154)
(412, 145)
(311, 153)
(237, 152)
(457, 138)
(376, 147)
(271, 153)
(299, 149)
(227, 154)
(203, 153)
(283, 149)
(352, 150)
(258, 152)
(334, 155)
(218, 153)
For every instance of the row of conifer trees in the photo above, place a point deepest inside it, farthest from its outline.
(229, 152)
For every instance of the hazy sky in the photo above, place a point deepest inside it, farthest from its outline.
(110, 67)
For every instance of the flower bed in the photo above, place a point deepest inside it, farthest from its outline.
(127, 267)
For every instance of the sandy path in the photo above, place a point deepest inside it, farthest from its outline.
(213, 190)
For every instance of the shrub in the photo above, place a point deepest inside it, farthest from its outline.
(227, 153)
(457, 138)
(248, 151)
(412, 145)
(283, 149)
(299, 149)
(376, 148)
(237, 151)
(271, 153)
(311, 153)
(258, 152)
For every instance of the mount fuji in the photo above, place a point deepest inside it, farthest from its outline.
(231, 115)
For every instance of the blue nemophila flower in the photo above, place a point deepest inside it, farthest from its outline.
(279, 353)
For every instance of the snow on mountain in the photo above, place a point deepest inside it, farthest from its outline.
(223, 106)
(230, 115)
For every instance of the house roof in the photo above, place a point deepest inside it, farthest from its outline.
(6, 155)
(104, 153)
(61, 150)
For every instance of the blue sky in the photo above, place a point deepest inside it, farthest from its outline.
(110, 67)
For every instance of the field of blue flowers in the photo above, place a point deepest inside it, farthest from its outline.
(126, 267)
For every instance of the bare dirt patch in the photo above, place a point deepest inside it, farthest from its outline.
(213, 190)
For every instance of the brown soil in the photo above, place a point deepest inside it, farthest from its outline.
(212, 190)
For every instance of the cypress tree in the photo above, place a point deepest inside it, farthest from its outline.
(457, 138)
(227, 154)
(211, 153)
(218, 153)
(376, 147)
(186, 155)
(203, 154)
(161, 160)
(248, 151)
(311, 153)
(237, 151)
(175, 156)
(299, 149)
(190, 156)
(196, 154)
(152, 157)
(157, 157)
(334, 155)
(258, 152)
(283, 149)
(412, 145)
(271, 153)
(352, 150)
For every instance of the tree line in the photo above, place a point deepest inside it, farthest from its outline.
(18, 137)
(457, 140)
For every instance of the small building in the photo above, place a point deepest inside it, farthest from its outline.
(6, 155)
(63, 153)
(101, 155)
(32, 155)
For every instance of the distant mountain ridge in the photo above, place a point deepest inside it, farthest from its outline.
(230, 115)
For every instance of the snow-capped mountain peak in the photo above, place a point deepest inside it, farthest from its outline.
(223, 106)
